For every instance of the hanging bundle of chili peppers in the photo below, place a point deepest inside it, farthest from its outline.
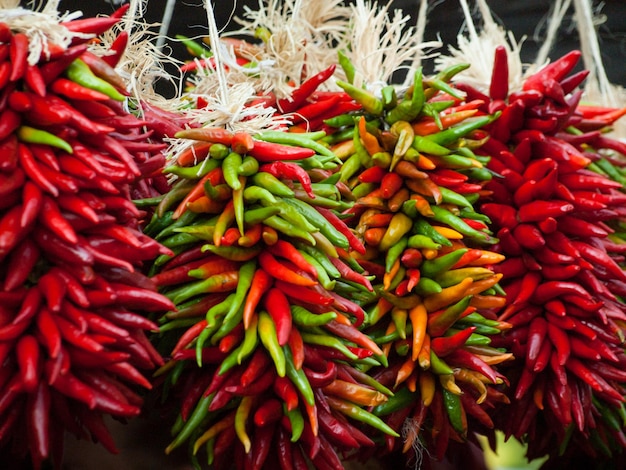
(558, 212)
(72, 295)
(415, 178)
(268, 301)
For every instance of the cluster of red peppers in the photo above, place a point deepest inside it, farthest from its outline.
(558, 210)
(73, 340)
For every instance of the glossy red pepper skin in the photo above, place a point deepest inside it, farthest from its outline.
(306, 89)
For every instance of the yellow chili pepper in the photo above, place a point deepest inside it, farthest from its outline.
(398, 227)
(223, 424)
(468, 376)
(427, 387)
(448, 296)
(448, 232)
(448, 383)
(241, 417)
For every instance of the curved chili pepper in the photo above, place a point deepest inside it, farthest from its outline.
(305, 90)
(267, 152)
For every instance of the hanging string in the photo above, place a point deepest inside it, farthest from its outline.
(555, 20)
(217, 56)
(590, 49)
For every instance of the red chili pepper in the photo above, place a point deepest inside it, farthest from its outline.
(261, 283)
(18, 54)
(502, 215)
(285, 389)
(278, 270)
(538, 210)
(291, 171)
(267, 152)
(145, 299)
(355, 243)
(286, 250)
(499, 86)
(296, 346)
(463, 358)
(574, 226)
(9, 122)
(302, 93)
(303, 294)
(27, 354)
(351, 275)
(257, 364)
(444, 345)
(278, 307)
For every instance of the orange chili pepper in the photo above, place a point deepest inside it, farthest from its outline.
(481, 285)
(419, 321)
(423, 358)
(369, 140)
(251, 236)
(214, 177)
(427, 125)
(405, 371)
(374, 235)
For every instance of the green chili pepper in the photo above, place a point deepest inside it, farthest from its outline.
(328, 341)
(187, 218)
(198, 415)
(342, 120)
(322, 275)
(298, 377)
(347, 66)
(249, 166)
(269, 339)
(301, 316)
(250, 340)
(408, 110)
(454, 408)
(445, 216)
(292, 214)
(370, 103)
(426, 286)
(365, 159)
(433, 267)
(259, 214)
(289, 229)
(31, 135)
(389, 97)
(400, 399)
(230, 168)
(355, 412)
(272, 184)
(179, 239)
(438, 366)
(79, 72)
(254, 193)
(422, 227)
(228, 323)
(192, 172)
(320, 222)
(233, 253)
(321, 259)
(297, 422)
(450, 197)
(450, 135)
(480, 174)
(424, 145)
(194, 48)
(350, 166)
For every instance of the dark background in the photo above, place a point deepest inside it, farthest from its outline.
(522, 17)
(142, 441)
